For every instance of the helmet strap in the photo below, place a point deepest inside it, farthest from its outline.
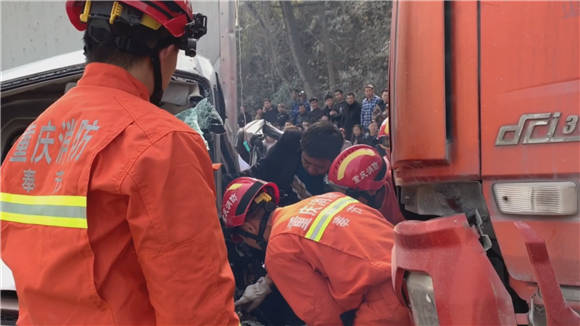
(263, 243)
(157, 88)
(269, 207)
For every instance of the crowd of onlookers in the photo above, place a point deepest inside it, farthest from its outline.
(359, 122)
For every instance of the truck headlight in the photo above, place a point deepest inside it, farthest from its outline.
(537, 198)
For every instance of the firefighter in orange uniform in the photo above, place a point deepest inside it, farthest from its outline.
(329, 255)
(363, 174)
(98, 223)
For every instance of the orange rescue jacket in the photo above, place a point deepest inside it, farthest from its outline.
(330, 254)
(100, 225)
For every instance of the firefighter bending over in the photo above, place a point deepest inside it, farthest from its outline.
(362, 173)
(329, 255)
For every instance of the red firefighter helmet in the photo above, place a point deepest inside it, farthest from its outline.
(239, 196)
(173, 15)
(384, 129)
(359, 168)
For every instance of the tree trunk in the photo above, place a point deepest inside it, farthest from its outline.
(296, 47)
(328, 49)
(274, 56)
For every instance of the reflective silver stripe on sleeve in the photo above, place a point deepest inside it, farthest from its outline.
(319, 225)
(44, 210)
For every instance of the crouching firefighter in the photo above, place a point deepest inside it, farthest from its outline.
(98, 225)
(329, 255)
(362, 173)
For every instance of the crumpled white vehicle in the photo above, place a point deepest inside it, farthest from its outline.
(255, 139)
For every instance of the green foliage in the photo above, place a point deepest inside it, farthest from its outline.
(357, 44)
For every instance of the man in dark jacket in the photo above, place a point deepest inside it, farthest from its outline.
(384, 103)
(315, 111)
(328, 104)
(270, 112)
(351, 116)
(302, 115)
(329, 110)
(297, 163)
(339, 106)
(283, 116)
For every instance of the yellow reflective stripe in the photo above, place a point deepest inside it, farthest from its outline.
(350, 157)
(321, 221)
(68, 222)
(44, 200)
(63, 211)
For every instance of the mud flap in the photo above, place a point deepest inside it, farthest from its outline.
(466, 289)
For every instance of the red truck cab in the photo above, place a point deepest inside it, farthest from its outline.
(485, 103)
